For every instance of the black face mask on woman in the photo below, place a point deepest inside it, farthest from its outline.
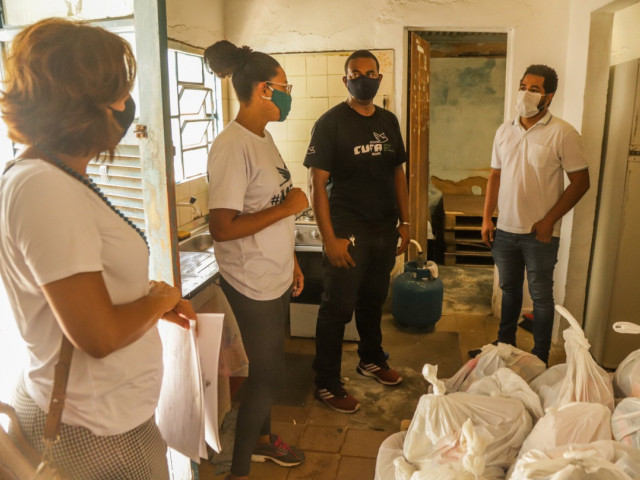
(126, 116)
(363, 87)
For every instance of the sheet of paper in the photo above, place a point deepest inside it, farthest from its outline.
(187, 412)
(208, 341)
(180, 410)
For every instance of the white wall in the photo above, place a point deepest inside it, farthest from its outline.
(198, 23)
(23, 12)
(466, 108)
(587, 65)
(307, 25)
(625, 43)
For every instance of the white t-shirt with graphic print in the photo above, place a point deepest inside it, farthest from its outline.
(247, 174)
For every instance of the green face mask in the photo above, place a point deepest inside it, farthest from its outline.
(281, 100)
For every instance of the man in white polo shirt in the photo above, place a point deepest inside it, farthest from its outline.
(530, 157)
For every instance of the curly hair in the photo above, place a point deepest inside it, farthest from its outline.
(246, 67)
(61, 76)
(550, 76)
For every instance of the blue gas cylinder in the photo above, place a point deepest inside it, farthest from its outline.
(417, 297)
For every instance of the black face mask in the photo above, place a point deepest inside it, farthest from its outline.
(363, 87)
(126, 116)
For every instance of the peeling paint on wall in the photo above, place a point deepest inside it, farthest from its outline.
(467, 104)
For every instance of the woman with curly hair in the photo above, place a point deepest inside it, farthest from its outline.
(252, 205)
(72, 264)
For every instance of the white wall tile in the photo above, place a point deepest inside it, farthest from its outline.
(386, 85)
(297, 151)
(299, 83)
(298, 173)
(295, 65)
(316, 107)
(198, 186)
(201, 204)
(297, 130)
(336, 86)
(234, 107)
(316, 64)
(225, 86)
(283, 148)
(278, 131)
(335, 64)
(280, 59)
(333, 101)
(298, 109)
(183, 190)
(316, 86)
(183, 215)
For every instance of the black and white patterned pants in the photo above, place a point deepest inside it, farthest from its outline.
(139, 454)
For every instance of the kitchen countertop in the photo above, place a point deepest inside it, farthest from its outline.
(197, 269)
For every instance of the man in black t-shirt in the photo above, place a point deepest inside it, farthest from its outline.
(357, 149)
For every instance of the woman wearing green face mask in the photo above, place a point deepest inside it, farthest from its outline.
(252, 204)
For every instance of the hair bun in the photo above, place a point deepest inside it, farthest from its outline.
(224, 58)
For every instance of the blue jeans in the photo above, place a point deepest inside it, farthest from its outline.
(362, 289)
(512, 254)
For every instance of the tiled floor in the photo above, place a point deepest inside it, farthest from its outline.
(335, 447)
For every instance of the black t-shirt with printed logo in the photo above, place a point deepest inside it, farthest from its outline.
(361, 153)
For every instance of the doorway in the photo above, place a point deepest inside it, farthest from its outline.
(456, 91)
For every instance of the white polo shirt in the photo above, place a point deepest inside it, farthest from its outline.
(532, 164)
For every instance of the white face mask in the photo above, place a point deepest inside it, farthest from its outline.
(527, 103)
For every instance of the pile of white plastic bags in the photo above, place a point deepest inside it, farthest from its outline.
(504, 415)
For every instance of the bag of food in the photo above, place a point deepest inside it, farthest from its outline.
(584, 380)
(492, 358)
(601, 460)
(506, 383)
(625, 422)
(627, 376)
(435, 433)
(548, 384)
(390, 450)
(577, 422)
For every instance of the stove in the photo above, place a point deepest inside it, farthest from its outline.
(308, 237)
(304, 309)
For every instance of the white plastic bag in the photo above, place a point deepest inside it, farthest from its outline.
(506, 383)
(548, 384)
(625, 422)
(492, 358)
(577, 422)
(613, 462)
(584, 381)
(390, 450)
(627, 377)
(472, 466)
(453, 384)
(435, 432)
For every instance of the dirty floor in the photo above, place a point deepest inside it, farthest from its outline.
(341, 447)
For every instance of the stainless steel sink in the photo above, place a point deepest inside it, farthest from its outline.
(197, 243)
(197, 261)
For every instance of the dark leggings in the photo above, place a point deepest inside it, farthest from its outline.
(262, 327)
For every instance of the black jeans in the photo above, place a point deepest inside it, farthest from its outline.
(362, 289)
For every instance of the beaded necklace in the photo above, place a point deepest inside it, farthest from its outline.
(91, 185)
